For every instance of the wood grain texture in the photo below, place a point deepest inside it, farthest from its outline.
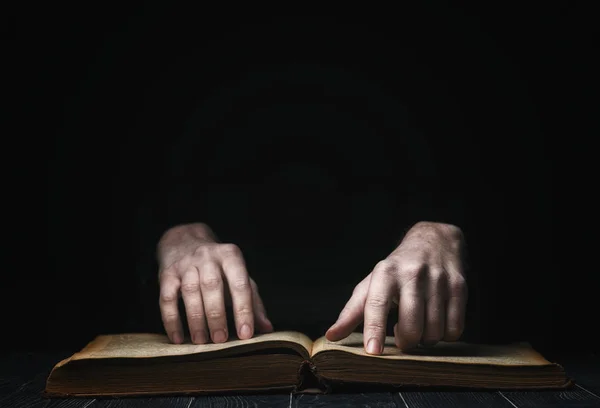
(243, 401)
(586, 371)
(23, 376)
(416, 399)
(380, 400)
(27, 395)
(70, 403)
(18, 370)
(160, 402)
(575, 397)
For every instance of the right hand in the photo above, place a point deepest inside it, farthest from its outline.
(207, 274)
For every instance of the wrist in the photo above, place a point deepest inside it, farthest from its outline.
(435, 231)
(436, 227)
(183, 232)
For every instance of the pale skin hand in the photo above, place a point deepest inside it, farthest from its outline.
(425, 278)
(208, 275)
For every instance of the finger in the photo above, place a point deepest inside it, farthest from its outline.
(411, 310)
(377, 306)
(456, 307)
(352, 314)
(192, 298)
(435, 309)
(169, 295)
(263, 324)
(238, 281)
(435, 320)
(211, 284)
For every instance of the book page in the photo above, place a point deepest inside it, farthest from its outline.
(145, 345)
(444, 352)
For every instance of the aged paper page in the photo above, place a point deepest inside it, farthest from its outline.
(144, 345)
(457, 353)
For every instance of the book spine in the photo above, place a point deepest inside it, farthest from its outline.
(309, 380)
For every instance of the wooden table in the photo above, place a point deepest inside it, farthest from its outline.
(22, 378)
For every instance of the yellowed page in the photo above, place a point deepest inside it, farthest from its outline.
(144, 345)
(444, 352)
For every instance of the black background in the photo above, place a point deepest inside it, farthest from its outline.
(504, 98)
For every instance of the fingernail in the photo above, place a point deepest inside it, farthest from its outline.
(176, 338)
(199, 337)
(245, 332)
(373, 346)
(219, 336)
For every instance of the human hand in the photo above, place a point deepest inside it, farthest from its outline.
(208, 275)
(425, 277)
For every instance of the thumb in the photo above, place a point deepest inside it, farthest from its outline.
(352, 314)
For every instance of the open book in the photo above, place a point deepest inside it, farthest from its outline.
(145, 364)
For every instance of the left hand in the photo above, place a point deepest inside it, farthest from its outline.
(425, 277)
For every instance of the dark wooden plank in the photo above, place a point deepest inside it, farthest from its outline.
(243, 401)
(575, 397)
(589, 381)
(585, 370)
(374, 399)
(69, 403)
(154, 402)
(593, 393)
(434, 399)
(8, 385)
(27, 395)
(18, 369)
(31, 370)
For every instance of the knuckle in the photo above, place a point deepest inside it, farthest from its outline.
(386, 266)
(378, 302)
(166, 273)
(436, 275)
(244, 310)
(375, 326)
(230, 250)
(184, 263)
(169, 317)
(201, 251)
(412, 269)
(211, 282)
(455, 232)
(168, 297)
(215, 314)
(195, 316)
(458, 285)
(190, 287)
(242, 284)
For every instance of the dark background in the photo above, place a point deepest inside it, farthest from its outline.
(483, 114)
